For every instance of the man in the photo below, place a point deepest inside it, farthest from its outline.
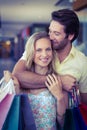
(63, 30)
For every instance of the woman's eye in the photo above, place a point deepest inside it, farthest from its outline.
(38, 50)
(49, 49)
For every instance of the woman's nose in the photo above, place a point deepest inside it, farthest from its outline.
(44, 53)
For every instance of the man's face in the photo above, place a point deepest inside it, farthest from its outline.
(57, 35)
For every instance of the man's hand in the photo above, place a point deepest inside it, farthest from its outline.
(68, 82)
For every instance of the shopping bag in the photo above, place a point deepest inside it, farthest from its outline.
(69, 122)
(73, 117)
(19, 116)
(83, 110)
(6, 88)
(12, 118)
(79, 121)
(27, 121)
(4, 108)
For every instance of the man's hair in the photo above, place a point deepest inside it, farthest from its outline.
(69, 19)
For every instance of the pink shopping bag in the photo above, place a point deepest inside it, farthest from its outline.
(4, 108)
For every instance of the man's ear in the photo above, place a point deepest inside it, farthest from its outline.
(70, 37)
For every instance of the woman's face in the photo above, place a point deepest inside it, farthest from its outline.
(43, 52)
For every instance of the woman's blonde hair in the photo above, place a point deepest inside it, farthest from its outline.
(29, 48)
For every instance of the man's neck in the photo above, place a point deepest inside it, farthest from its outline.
(62, 54)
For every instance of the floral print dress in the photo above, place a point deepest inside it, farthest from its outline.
(44, 110)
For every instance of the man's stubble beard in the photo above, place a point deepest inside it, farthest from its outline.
(60, 47)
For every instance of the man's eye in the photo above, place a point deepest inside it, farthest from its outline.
(57, 34)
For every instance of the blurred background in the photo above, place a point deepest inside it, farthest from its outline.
(20, 18)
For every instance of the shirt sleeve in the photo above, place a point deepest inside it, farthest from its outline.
(23, 57)
(83, 80)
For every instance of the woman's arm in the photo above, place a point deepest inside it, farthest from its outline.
(62, 105)
(55, 87)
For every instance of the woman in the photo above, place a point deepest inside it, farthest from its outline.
(46, 107)
(48, 104)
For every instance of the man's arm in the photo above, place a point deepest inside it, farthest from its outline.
(27, 78)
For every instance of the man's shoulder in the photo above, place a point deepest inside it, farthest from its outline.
(81, 59)
(80, 54)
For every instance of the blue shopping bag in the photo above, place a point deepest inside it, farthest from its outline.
(69, 122)
(79, 121)
(73, 116)
(27, 121)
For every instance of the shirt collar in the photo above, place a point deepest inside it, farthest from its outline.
(73, 51)
(71, 54)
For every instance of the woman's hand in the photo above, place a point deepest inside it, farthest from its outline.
(54, 85)
(7, 75)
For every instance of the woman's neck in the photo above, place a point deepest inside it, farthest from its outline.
(41, 70)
